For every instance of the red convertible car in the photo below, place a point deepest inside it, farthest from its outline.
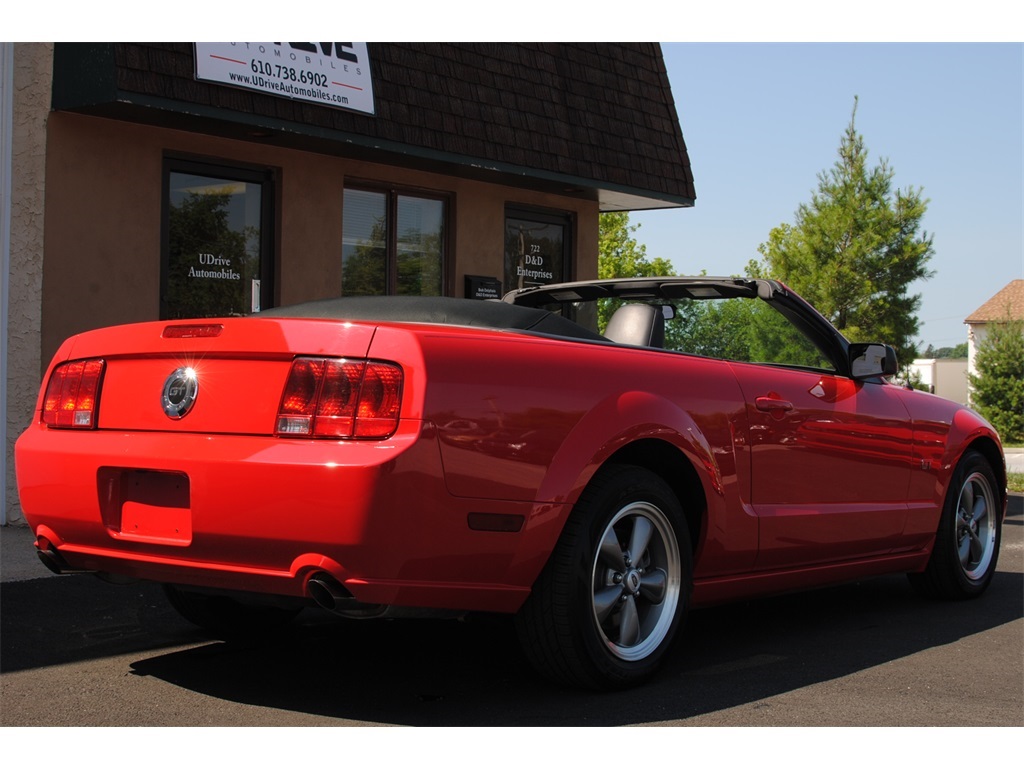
(718, 439)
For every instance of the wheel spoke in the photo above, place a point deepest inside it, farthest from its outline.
(629, 623)
(654, 585)
(977, 546)
(639, 538)
(980, 510)
(966, 501)
(611, 551)
(970, 547)
(605, 600)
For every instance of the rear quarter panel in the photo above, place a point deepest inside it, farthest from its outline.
(532, 419)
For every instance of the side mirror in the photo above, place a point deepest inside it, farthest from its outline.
(870, 360)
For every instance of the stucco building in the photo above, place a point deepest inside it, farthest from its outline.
(143, 181)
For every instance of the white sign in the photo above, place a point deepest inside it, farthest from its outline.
(332, 74)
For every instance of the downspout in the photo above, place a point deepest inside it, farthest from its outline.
(6, 138)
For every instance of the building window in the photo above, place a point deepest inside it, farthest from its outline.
(537, 248)
(393, 243)
(217, 244)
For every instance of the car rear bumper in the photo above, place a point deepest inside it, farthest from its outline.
(262, 514)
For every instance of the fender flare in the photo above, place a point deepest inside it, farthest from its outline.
(613, 424)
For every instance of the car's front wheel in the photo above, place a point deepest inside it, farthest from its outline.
(963, 560)
(608, 604)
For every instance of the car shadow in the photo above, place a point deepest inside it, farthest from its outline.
(66, 619)
(473, 673)
(434, 673)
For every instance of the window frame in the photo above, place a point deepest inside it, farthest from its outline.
(392, 193)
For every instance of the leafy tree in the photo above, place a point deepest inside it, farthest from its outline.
(854, 250)
(620, 255)
(997, 390)
(718, 329)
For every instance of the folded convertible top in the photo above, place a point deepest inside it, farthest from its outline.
(437, 309)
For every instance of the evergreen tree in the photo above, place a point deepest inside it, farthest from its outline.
(997, 390)
(854, 250)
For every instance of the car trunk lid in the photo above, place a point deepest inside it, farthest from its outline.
(223, 376)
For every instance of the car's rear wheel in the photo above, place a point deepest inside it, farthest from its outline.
(609, 602)
(226, 617)
(963, 560)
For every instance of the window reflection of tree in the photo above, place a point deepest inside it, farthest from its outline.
(364, 267)
(419, 263)
(199, 224)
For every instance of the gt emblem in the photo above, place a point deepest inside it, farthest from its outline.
(180, 390)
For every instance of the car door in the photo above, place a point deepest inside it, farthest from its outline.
(830, 457)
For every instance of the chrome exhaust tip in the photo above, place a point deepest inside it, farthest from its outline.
(52, 559)
(329, 593)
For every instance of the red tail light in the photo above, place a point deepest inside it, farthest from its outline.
(72, 395)
(340, 399)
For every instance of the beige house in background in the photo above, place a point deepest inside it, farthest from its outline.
(1007, 304)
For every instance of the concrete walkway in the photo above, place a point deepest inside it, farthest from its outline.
(1014, 459)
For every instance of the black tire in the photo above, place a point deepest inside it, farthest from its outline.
(227, 618)
(966, 549)
(601, 616)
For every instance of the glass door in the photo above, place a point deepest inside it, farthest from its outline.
(537, 248)
(217, 258)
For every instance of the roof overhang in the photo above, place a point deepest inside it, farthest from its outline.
(261, 129)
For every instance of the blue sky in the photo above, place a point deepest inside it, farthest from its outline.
(762, 120)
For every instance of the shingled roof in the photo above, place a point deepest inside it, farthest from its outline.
(1007, 304)
(595, 120)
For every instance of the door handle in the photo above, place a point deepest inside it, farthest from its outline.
(771, 404)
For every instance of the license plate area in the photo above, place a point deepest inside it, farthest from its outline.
(146, 506)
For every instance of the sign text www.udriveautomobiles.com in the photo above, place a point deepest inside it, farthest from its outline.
(332, 74)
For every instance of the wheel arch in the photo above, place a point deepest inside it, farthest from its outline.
(633, 428)
(988, 448)
(671, 465)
